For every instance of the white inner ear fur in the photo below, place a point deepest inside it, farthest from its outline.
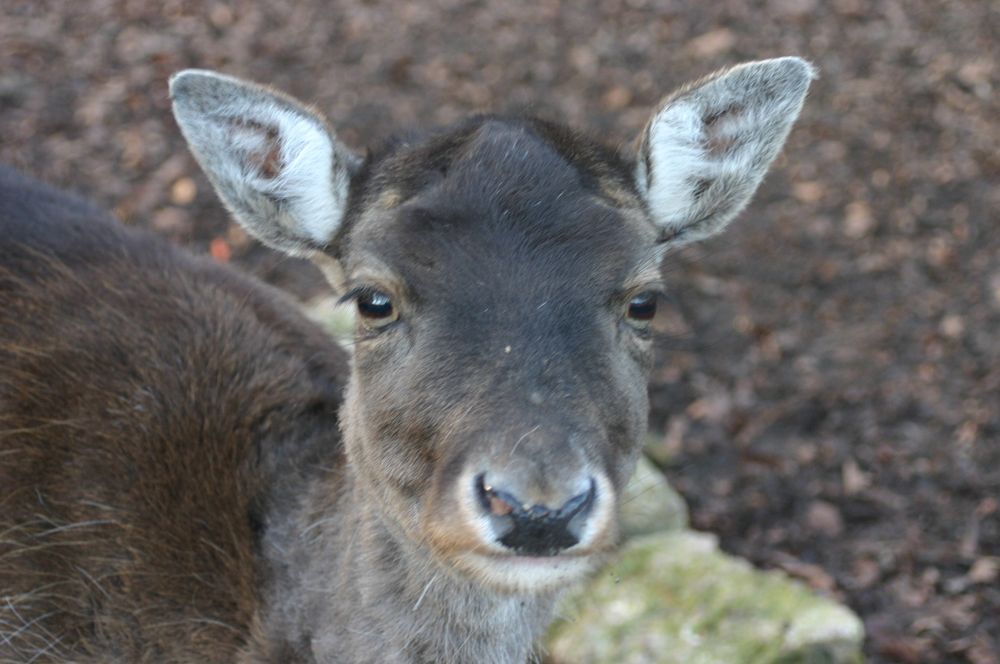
(275, 164)
(676, 145)
(304, 178)
(710, 145)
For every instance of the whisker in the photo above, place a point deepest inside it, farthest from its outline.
(422, 594)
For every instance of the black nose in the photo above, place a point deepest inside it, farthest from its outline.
(535, 530)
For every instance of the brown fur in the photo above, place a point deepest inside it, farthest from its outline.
(136, 416)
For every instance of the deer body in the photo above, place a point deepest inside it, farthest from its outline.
(192, 472)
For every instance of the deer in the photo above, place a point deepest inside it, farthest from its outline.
(192, 471)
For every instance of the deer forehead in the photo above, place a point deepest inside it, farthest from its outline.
(498, 204)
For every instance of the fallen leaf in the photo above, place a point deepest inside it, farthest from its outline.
(985, 570)
(183, 191)
(220, 250)
(712, 43)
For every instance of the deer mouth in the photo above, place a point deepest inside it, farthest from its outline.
(530, 574)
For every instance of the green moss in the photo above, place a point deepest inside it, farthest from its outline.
(675, 598)
(650, 504)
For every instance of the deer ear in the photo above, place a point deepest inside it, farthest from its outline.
(708, 146)
(276, 165)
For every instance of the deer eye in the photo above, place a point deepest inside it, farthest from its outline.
(375, 308)
(641, 309)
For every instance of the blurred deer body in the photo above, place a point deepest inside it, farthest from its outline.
(192, 472)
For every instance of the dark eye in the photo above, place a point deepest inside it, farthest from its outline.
(375, 308)
(642, 309)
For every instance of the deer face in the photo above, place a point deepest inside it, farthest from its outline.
(499, 388)
(505, 272)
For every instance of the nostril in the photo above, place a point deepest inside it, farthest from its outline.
(536, 530)
(580, 502)
(497, 503)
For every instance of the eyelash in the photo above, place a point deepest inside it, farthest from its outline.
(357, 291)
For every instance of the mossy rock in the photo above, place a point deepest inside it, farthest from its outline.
(674, 598)
(649, 504)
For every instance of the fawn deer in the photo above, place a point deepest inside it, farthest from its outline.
(191, 471)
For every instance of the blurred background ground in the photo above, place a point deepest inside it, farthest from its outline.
(829, 373)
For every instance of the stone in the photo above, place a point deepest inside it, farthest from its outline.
(649, 504)
(673, 598)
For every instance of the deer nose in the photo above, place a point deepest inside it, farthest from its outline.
(535, 530)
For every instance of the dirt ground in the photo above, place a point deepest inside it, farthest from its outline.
(829, 379)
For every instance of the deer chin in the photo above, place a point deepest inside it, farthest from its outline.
(511, 573)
